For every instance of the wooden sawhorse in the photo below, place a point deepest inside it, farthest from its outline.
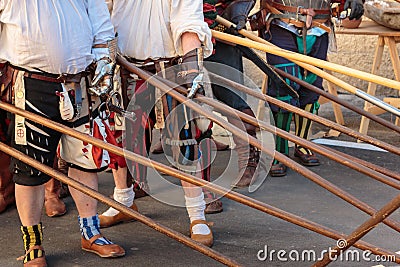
(386, 36)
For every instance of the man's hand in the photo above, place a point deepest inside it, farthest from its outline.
(357, 8)
(102, 80)
(238, 11)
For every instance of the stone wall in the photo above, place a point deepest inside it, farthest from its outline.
(357, 51)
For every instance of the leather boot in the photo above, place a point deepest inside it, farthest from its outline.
(157, 147)
(141, 189)
(62, 166)
(219, 145)
(248, 155)
(53, 204)
(213, 203)
(7, 186)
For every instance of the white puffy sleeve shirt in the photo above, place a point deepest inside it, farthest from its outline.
(153, 28)
(53, 36)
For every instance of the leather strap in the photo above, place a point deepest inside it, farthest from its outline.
(49, 78)
(300, 10)
(82, 120)
(94, 238)
(309, 17)
(195, 222)
(150, 64)
(100, 46)
(167, 61)
(7, 74)
(38, 247)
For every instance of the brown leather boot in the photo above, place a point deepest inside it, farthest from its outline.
(62, 166)
(7, 186)
(219, 145)
(248, 155)
(141, 190)
(53, 204)
(248, 158)
(213, 204)
(158, 149)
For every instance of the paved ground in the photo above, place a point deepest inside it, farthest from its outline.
(240, 232)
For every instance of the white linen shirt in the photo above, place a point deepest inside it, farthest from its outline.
(152, 29)
(53, 36)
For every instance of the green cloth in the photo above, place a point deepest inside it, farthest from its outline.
(310, 41)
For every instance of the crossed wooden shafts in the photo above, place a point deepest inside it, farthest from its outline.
(381, 174)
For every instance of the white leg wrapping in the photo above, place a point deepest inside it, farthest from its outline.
(124, 196)
(195, 207)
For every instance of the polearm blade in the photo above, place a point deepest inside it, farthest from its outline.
(376, 101)
(336, 99)
(275, 74)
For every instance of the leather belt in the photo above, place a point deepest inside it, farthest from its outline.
(150, 64)
(298, 16)
(300, 10)
(64, 78)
